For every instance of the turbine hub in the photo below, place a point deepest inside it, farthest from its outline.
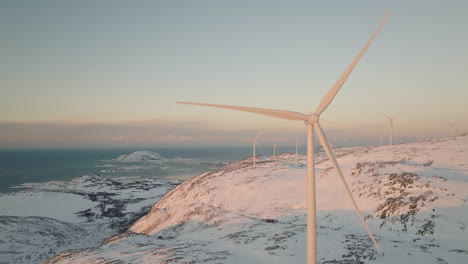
(312, 119)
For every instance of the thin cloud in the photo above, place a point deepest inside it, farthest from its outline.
(81, 120)
(172, 138)
(280, 139)
(171, 133)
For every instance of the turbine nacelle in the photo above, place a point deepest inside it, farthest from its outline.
(312, 119)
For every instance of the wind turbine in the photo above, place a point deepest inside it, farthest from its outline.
(274, 150)
(391, 127)
(255, 146)
(453, 129)
(312, 123)
(297, 143)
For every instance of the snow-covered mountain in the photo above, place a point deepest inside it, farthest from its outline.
(414, 197)
(139, 156)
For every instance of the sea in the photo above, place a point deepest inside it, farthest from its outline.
(43, 165)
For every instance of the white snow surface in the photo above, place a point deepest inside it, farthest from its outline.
(414, 197)
(139, 156)
(47, 218)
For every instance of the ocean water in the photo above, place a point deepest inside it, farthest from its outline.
(35, 166)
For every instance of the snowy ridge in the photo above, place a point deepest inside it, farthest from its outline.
(139, 156)
(48, 218)
(155, 163)
(42, 236)
(413, 196)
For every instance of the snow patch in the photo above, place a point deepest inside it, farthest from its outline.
(139, 156)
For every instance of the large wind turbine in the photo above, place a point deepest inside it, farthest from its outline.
(391, 127)
(312, 123)
(453, 129)
(255, 146)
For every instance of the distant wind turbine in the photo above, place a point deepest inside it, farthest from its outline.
(453, 129)
(297, 143)
(312, 122)
(391, 127)
(255, 146)
(274, 150)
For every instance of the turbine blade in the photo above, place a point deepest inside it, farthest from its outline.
(262, 111)
(331, 156)
(396, 116)
(258, 134)
(387, 116)
(336, 87)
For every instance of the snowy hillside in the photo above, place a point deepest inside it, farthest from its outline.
(139, 156)
(48, 218)
(414, 197)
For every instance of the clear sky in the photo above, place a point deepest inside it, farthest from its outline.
(108, 73)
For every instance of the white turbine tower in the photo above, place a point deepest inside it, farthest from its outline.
(255, 146)
(297, 143)
(391, 127)
(453, 129)
(312, 123)
(274, 150)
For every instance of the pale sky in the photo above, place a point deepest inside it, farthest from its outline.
(108, 73)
